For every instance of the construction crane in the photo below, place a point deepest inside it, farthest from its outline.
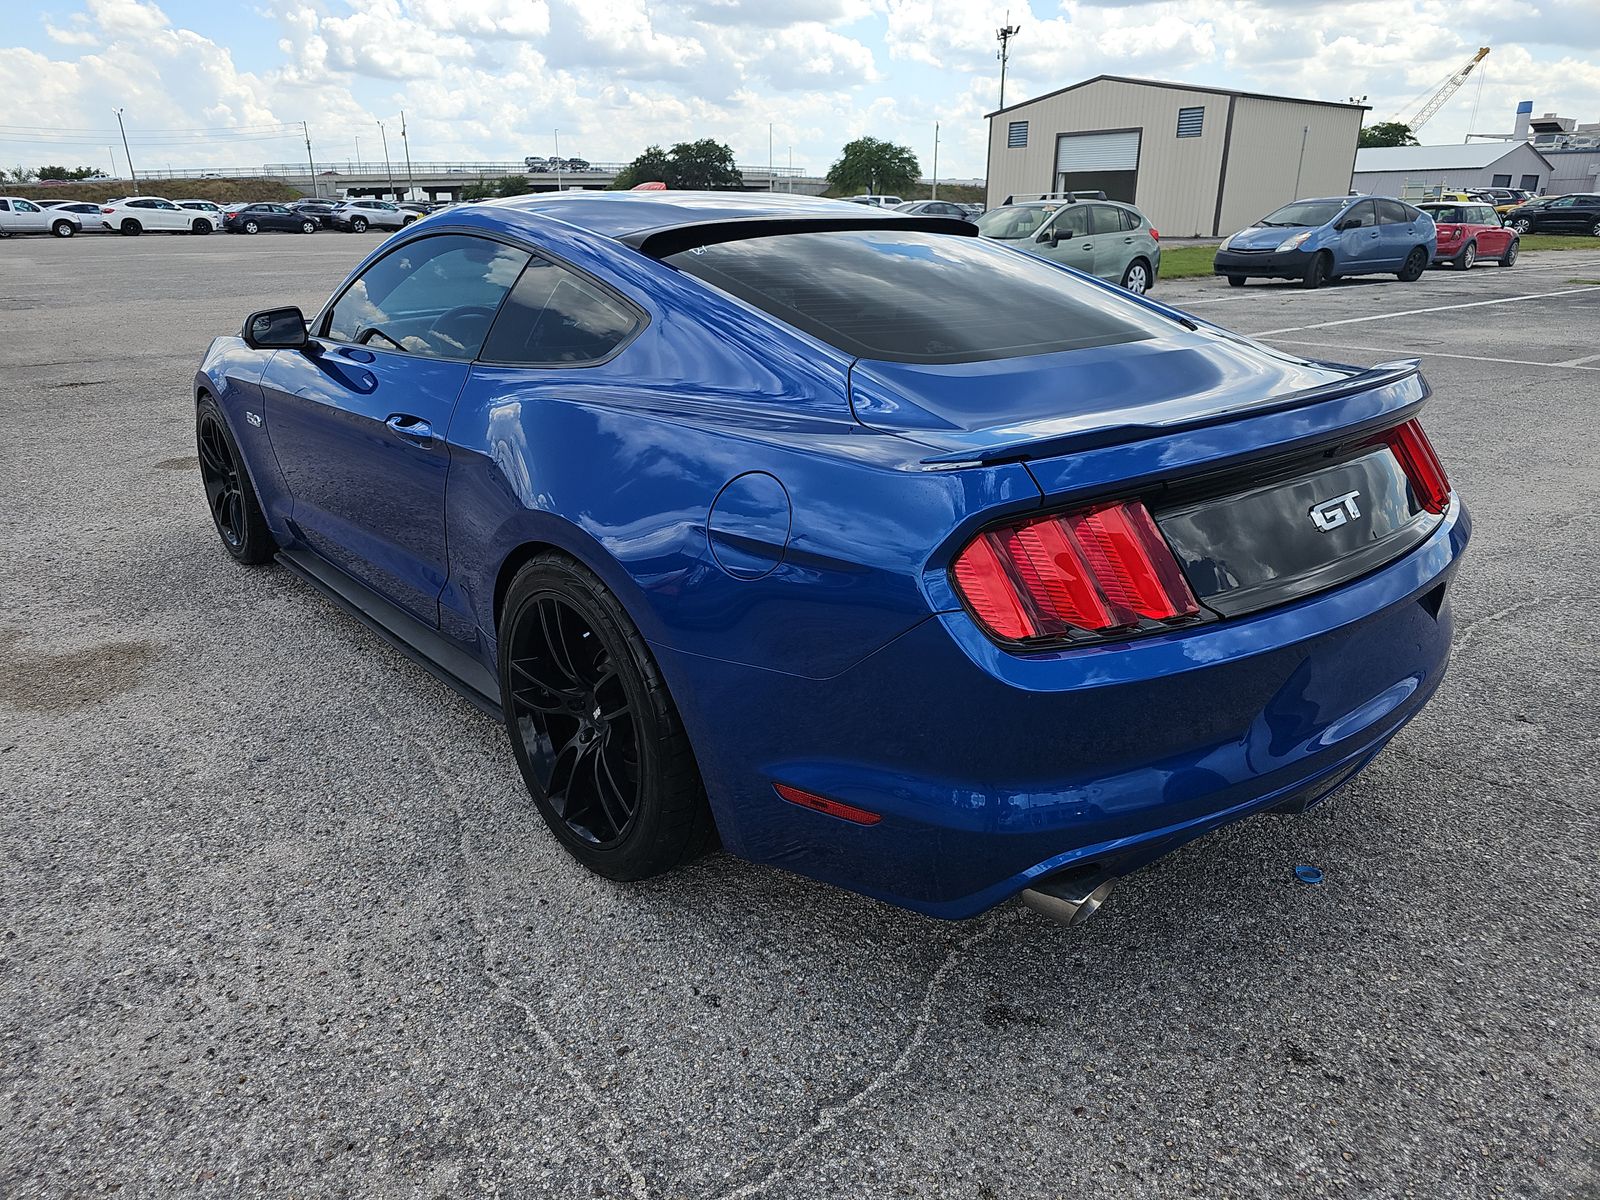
(1451, 86)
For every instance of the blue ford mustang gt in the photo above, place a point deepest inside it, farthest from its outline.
(876, 550)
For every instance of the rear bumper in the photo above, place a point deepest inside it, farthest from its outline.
(992, 770)
(1290, 264)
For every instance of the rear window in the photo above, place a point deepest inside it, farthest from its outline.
(908, 296)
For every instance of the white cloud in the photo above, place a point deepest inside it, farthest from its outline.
(490, 79)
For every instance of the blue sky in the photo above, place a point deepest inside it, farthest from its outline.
(219, 83)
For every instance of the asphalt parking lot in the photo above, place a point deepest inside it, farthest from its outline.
(279, 919)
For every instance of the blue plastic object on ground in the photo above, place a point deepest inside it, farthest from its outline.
(1308, 874)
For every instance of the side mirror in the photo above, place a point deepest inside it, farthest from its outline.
(1349, 223)
(275, 329)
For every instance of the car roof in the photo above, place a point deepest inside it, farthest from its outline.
(649, 220)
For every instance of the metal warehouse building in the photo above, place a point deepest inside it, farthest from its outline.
(1198, 161)
(1412, 170)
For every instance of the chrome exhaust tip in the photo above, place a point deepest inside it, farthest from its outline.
(1067, 900)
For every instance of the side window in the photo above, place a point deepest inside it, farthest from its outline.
(5, 206)
(556, 318)
(1392, 212)
(1564, 202)
(1364, 215)
(24, 206)
(435, 297)
(1076, 218)
(1104, 219)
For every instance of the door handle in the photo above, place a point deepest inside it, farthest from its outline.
(411, 427)
(355, 355)
(1086, 246)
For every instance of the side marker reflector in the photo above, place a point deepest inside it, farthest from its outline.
(821, 804)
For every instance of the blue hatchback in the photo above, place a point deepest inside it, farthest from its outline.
(1315, 241)
(868, 547)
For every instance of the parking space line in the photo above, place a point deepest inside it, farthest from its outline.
(1415, 312)
(1575, 364)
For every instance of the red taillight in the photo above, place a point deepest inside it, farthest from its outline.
(108, 210)
(822, 804)
(1421, 465)
(1100, 569)
(1155, 233)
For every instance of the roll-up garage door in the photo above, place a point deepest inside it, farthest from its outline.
(1097, 152)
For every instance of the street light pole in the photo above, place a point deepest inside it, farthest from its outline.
(411, 180)
(132, 175)
(310, 162)
(1005, 33)
(384, 133)
(559, 163)
(771, 184)
(934, 194)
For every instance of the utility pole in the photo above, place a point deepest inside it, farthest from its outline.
(771, 182)
(1005, 33)
(358, 152)
(311, 164)
(559, 163)
(934, 195)
(131, 175)
(411, 180)
(387, 166)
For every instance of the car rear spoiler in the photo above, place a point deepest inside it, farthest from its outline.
(1095, 434)
(667, 240)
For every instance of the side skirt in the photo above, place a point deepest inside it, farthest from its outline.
(426, 647)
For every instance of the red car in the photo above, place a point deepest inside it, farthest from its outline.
(1468, 231)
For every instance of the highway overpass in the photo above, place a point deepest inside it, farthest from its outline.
(447, 180)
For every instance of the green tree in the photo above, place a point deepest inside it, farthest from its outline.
(706, 164)
(1388, 133)
(653, 166)
(482, 190)
(689, 166)
(53, 172)
(513, 185)
(868, 164)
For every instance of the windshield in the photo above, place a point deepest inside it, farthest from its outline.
(1011, 222)
(1303, 213)
(905, 296)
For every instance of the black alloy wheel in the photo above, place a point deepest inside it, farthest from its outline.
(577, 725)
(1416, 263)
(1317, 270)
(597, 737)
(229, 496)
(1510, 256)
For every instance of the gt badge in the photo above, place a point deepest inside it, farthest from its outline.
(1330, 514)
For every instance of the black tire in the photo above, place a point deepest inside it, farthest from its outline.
(1136, 278)
(1510, 256)
(1595, 232)
(575, 673)
(1416, 263)
(358, 224)
(407, 221)
(1317, 270)
(1235, 280)
(63, 229)
(1522, 224)
(232, 500)
(202, 227)
(4, 233)
(251, 227)
(308, 226)
(130, 227)
(1469, 256)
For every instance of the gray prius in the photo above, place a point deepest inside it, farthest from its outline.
(1105, 238)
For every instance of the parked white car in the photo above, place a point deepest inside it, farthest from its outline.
(138, 214)
(358, 216)
(214, 211)
(25, 216)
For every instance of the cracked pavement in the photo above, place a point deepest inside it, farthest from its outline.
(279, 920)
